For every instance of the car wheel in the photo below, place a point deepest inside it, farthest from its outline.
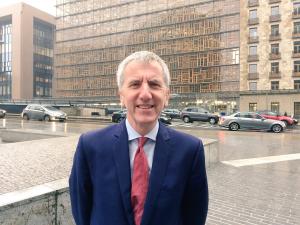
(234, 126)
(276, 128)
(47, 118)
(25, 117)
(212, 120)
(186, 119)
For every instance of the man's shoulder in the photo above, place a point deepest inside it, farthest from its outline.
(101, 134)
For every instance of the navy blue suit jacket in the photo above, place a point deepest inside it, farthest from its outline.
(100, 182)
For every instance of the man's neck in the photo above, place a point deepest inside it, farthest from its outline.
(142, 130)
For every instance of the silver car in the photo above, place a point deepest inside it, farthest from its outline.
(43, 112)
(2, 113)
(251, 120)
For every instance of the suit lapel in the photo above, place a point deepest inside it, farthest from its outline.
(159, 166)
(121, 156)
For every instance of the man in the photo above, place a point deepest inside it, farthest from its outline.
(139, 172)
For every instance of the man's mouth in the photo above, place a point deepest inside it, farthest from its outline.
(145, 106)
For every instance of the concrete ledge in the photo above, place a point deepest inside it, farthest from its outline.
(17, 135)
(46, 204)
(211, 151)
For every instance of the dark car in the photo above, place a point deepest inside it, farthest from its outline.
(117, 117)
(173, 113)
(2, 113)
(276, 116)
(190, 114)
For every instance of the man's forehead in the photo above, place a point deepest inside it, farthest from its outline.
(140, 64)
(138, 69)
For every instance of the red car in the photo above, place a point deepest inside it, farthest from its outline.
(275, 116)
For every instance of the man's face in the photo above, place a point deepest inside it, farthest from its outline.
(144, 94)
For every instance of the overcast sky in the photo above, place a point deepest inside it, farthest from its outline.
(44, 5)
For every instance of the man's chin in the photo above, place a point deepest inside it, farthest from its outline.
(146, 120)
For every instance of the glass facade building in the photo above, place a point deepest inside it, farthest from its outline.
(26, 52)
(5, 57)
(43, 43)
(199, 40)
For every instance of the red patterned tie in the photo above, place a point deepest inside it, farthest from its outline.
(139, 181)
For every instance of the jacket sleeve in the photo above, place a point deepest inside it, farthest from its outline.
(80, 184)
(195, 202)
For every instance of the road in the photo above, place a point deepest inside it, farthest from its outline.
(232, 145)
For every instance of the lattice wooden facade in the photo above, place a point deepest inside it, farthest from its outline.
(199, 40)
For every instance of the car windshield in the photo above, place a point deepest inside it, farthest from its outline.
(51, 108)
(271, 113)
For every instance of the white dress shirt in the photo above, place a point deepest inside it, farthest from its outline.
(148, 147)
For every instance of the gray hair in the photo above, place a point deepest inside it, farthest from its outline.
(142, 56)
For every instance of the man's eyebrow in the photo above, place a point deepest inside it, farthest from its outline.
(155, 80)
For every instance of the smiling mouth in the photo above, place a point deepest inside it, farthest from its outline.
(145, 106)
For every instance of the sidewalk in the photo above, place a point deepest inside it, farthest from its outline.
(253, 196)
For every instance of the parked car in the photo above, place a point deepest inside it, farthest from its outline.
(2, 113)
(275, 116)
(190, 114)
(43, 112)
(173, 113)
(117, 117)
(251, 120)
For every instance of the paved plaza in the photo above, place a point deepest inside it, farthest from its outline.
(257, 194)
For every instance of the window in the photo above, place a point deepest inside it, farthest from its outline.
(296, 66)
(275, 30)
(274, 85)
(297, 109)
(274, 10)
(275, 49)
(253, 68)
(275, 67)
(252, 106)
(252, 86)
(275, 107)
(297, 84)
(296, 27)
(296, 10)
(296, 46)
(253, 32)
(253, 50)
(253, 14)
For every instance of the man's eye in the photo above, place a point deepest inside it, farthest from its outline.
(155, 85)
(136, 84)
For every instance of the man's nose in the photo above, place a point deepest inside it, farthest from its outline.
(145, 92)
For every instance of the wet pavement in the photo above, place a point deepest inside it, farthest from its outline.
(267, 193)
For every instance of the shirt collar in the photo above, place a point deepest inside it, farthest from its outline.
(132, 134)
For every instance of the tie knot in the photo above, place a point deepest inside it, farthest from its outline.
(142, 141)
